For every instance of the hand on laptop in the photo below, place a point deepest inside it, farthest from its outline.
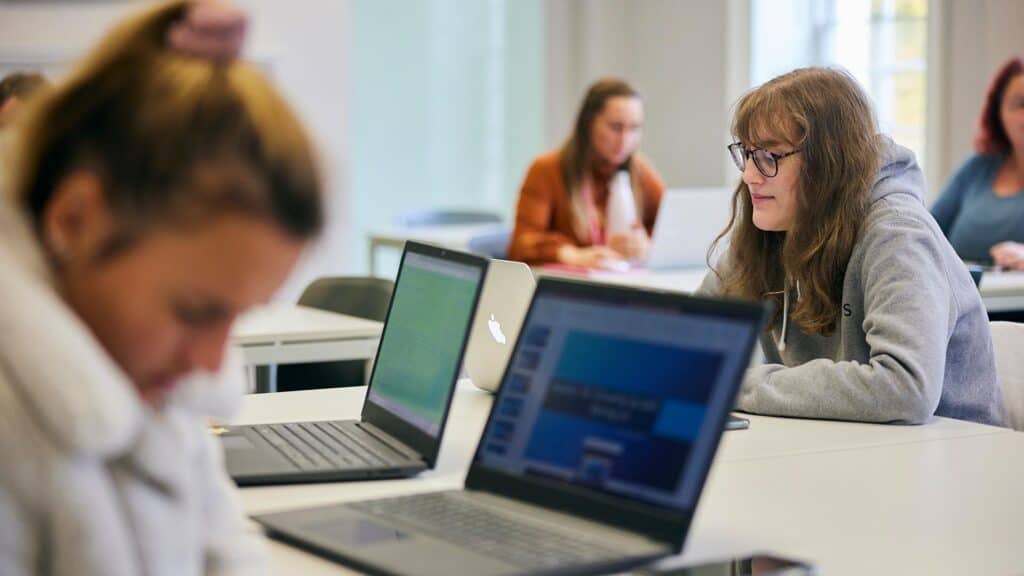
(632, 245)
(1008, 255)
(589, 256)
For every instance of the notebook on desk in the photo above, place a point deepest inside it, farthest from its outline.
(403, 419)
(594, 455)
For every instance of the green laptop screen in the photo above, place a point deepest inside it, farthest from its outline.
(420, 349)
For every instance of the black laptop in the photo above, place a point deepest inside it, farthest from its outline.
(594, 455)
(414, 374)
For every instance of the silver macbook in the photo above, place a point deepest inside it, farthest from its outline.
(399, 432)
(595, 453)
(688, 222)
(503, 303)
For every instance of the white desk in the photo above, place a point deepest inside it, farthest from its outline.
(943, 498)
(937, 507)
(1000, 291)
(290, 334)
(456, 237)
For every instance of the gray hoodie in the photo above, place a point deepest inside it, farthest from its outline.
(913, 336)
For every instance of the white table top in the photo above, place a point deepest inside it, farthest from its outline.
(455, 236)
(1000, 291)
(942, 498)
(941, 507)
(682, 280)
(291, 323)
(1002, 282)
(770, 437)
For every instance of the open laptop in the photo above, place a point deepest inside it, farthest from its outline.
(688, 222)
(595, 453)
(414, 374)
(503, 303)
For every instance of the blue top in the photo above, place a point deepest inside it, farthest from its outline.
(972, 216)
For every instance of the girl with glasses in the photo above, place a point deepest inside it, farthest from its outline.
(161, 189)
(877, 319)
(563, 207)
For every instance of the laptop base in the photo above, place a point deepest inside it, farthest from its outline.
(327, 451)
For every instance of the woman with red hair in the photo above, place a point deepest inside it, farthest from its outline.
(981, 210)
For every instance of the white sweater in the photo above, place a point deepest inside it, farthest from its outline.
(93, 481)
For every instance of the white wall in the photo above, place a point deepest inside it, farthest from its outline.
(302, 43)
(675, 52)
(307, 43)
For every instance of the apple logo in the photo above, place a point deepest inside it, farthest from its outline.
(495, 327)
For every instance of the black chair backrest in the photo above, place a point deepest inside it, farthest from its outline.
(362, 296)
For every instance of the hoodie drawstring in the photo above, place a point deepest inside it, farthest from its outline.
(785, 312)
(781, 344)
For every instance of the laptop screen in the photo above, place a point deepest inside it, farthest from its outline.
(616, 397)
(426, 328)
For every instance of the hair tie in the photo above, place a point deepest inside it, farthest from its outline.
(209, 30)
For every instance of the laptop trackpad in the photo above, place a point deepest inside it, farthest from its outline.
(357, 531)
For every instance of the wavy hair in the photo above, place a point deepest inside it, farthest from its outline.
(825, 114)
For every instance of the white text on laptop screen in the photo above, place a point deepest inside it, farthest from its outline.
(614, 398)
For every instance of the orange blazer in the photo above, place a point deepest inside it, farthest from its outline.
(544, 213)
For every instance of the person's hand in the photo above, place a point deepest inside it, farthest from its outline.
(588, 257)
(1008, 255)
(633, 245)
(212, 30)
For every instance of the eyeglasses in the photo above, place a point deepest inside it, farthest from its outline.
(767, 163)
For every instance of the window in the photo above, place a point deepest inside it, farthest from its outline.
(882, 43)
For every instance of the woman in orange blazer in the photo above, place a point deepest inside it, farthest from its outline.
(562, 211)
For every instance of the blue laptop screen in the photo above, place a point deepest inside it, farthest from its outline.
(615, 397)
(426, 327)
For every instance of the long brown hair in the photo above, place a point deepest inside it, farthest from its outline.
(575, 156)
(173, 138)
(825, 114)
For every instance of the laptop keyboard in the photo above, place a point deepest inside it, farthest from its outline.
(469, 524)
(315, 446)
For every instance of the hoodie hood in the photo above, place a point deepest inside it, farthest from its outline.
(899, 179)
(898, 174)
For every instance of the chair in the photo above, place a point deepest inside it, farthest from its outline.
(1007, 341)
(491, 244)
(362, 296)
(421, 218)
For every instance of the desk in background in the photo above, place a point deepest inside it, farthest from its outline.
(291, 334)
(942, 498)
(1000, 291)
(456, 237)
